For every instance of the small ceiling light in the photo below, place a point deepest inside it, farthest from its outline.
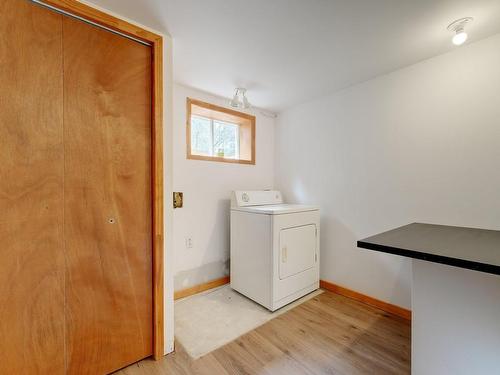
(240, 99)
(458, 27)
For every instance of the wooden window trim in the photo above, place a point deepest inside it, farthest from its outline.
(156, 42)
(230, 112)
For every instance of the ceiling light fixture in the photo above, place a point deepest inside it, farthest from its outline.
(240, 99)
(458, 27)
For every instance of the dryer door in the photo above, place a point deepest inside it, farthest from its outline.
(297, 250)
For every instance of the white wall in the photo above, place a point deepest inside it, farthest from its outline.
(206, 186)
(419, 144)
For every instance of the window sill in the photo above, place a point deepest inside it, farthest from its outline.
(221, 159)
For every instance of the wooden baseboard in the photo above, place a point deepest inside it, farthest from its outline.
(201, 287)
(331, 287)
(385, 306)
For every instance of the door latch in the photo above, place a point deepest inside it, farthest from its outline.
(178, 199)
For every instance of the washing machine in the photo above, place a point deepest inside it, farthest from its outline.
(274, 248)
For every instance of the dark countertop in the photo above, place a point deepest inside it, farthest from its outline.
(475, 249)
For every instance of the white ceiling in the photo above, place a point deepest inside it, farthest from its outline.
(290, 51)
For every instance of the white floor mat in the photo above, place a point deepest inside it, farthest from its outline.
(209, 320)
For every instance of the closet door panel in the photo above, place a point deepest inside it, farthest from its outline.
(108, 216)
(31, 190)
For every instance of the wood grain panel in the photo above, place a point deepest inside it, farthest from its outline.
(31, 188)
(99, 17)
(108, 198)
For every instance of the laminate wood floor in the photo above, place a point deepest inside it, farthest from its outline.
(329, 334)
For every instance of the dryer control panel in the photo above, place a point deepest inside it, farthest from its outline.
(245, 198)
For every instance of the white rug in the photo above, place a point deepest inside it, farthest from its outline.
(209, 320)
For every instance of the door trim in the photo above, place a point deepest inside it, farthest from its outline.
(108, 21)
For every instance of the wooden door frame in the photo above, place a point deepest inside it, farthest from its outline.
(156, 42)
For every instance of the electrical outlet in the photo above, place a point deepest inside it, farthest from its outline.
(189, 243)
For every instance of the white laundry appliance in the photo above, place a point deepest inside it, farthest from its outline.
(274, 248)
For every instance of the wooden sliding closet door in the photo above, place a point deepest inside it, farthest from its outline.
(31, 190)
(107, 196)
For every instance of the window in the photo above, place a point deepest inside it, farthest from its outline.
(210, 137)
(219, 134)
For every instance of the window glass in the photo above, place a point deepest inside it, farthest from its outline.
(201, 136)
(225, 140)
(214, 138)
